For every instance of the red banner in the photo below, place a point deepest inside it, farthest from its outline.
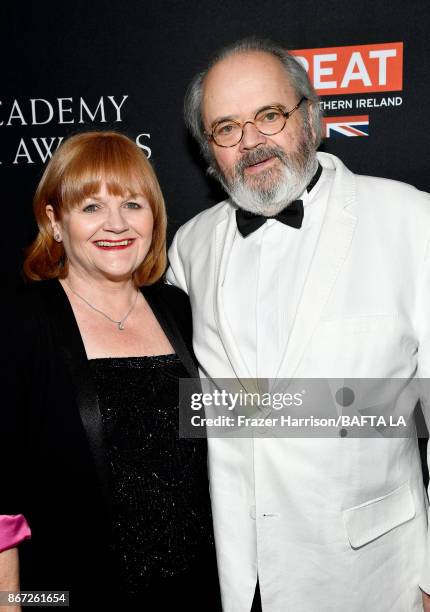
(354, 69)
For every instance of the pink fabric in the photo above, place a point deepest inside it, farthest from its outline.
(13, 530)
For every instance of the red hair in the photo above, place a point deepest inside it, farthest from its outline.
(76, 171)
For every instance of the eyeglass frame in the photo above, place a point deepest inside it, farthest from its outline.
(286, 115)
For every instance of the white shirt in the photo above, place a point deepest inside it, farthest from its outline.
(264, 280)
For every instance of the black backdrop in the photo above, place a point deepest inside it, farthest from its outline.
(148, 50)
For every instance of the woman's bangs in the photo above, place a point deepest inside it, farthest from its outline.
(86, 177)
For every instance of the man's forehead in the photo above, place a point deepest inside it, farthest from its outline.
(243, 82)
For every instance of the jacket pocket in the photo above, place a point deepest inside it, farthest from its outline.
(374, 518)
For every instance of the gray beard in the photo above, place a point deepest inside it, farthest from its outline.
(274, 189)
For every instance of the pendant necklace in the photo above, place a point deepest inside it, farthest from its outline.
(119, 323)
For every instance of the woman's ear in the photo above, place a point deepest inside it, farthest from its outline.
(54, 224)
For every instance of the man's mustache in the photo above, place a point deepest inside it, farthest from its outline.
(258, 155)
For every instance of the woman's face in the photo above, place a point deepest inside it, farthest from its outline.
(105, 236)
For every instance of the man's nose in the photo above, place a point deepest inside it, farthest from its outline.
(251, 137)
(116, 221)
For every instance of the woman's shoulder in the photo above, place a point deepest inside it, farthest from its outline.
(28, 326)
(171, 306)
(165, 289)
(169, 296)
(32, 304)
(30, 297)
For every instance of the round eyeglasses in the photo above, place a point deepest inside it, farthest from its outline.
(269, 121)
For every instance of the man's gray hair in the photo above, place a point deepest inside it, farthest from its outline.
(296, 73)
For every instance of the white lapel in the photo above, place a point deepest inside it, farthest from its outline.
(330, 253)
(224, 236)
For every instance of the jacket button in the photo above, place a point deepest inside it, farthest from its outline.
(345, 396)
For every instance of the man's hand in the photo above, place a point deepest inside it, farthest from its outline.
(426, 602)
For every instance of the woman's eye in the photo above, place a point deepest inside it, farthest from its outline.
(90, 208)
(133, 205)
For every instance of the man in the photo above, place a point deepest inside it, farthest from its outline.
(336, 285)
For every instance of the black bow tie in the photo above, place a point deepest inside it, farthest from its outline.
(292, 215)
(248, 222)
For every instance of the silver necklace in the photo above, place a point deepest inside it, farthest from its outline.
(121, 322)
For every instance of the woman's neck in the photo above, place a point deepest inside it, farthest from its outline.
(105, 294)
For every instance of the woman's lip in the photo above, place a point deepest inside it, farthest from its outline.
(260, 165)
(110, 245)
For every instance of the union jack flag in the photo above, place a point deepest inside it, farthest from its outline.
(346, 126)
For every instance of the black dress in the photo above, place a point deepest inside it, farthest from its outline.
(161, 522)
(58, 471)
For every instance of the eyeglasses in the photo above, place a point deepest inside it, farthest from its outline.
(269, 121)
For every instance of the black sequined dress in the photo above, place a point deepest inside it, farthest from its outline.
(161, 512)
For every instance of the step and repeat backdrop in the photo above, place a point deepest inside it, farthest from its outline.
(73, 66)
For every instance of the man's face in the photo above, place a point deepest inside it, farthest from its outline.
(261, 173)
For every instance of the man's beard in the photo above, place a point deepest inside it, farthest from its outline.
(271, 190)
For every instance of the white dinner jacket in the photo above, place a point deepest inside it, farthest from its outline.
(329, 524)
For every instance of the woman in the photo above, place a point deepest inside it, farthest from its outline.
(117, 503)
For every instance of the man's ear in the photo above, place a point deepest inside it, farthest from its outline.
(56, 230)
(315, 136)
